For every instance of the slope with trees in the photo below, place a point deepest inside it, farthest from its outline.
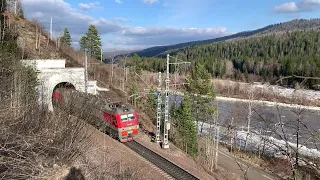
(264, 58)
(32, 139)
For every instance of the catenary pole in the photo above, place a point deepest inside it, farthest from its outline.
(158, 109)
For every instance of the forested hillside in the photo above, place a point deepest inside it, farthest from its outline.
(264, 58)
(298, 24)
(267, 57)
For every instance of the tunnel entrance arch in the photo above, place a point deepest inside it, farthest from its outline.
(53, 73)
(66, 85)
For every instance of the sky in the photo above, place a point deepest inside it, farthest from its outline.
(139, 24)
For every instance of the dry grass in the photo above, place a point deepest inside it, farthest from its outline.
(32, 140)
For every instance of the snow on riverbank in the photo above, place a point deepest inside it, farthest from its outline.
(270, 145)
(268, 103)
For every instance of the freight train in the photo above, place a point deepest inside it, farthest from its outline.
(117, 119)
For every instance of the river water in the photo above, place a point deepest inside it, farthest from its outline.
(277, 121)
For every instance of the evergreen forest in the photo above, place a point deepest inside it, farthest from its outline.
(263, 58)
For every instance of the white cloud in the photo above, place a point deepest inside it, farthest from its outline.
(154, 36)
(88, 6)
(118, 1)
(150, 1)
(112, 33)
(121, 19)
(66, 16)
(302, 6)
(287, 7)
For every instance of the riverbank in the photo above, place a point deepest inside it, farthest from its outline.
(266, 92)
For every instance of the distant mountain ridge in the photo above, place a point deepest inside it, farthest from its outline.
(119, 52)
(297, 24)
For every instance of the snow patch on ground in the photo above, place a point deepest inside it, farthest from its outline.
(272, 145)
(256, 142)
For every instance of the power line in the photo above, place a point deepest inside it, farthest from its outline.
(51, 25)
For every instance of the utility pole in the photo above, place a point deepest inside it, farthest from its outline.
(86, 72)
(250, 107)
(126, 72)
(217, 146)
(166, 110)
(297, 151)
(51, 28)
(112, 59)
(125, 68)
(15, 7)
(101, 54)
(249, 114)
(158, 109)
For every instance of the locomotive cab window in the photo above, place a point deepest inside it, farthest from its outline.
(124, 118)
(131, 117)
(127, 117)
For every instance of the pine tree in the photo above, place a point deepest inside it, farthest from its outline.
(91, 42)
(94, 41)
(133, 90)
(137, 63)
(152, 100)
(187, 128)
(200, 84)
(83, 43)
(66, 38)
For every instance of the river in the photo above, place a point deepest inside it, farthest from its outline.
(277, 121)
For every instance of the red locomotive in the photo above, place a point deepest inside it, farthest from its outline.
(119, 120)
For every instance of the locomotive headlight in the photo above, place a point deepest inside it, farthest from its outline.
(124, 133)
(135, 131)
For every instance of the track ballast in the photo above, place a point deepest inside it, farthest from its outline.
(164, 164)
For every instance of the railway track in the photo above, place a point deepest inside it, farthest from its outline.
(167, 166)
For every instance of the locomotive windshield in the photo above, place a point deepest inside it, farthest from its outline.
(124, 118)
(127, 117)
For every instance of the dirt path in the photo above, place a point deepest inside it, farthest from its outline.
(227, 161)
